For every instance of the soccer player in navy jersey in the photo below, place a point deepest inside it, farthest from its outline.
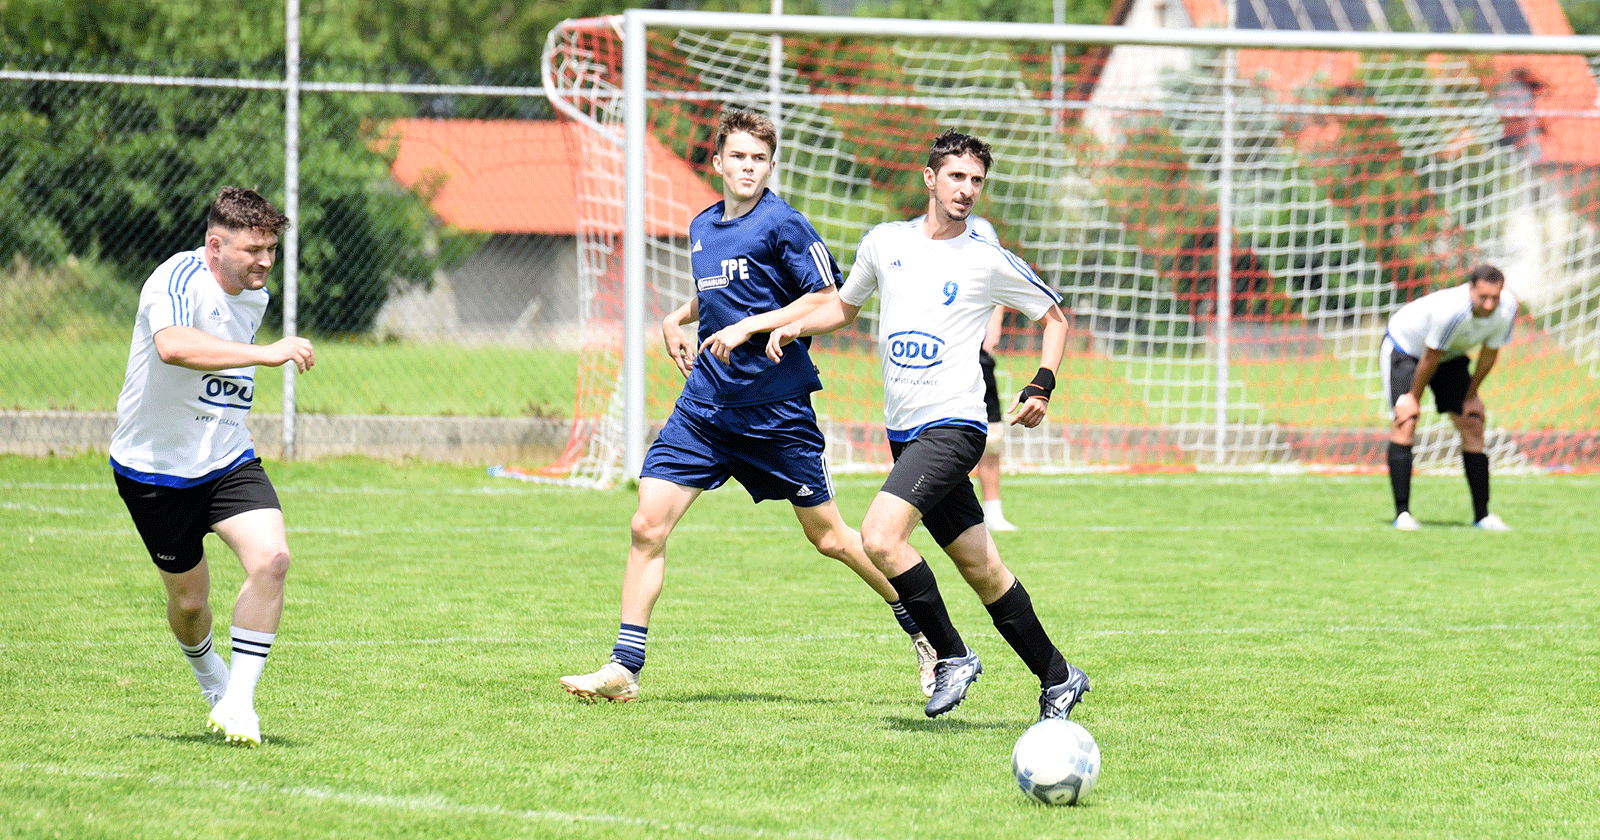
(757, 264)
(182, 458)
(939, 281)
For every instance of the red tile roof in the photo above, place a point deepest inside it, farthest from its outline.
(520, 176)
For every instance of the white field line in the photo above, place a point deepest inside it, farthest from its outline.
(427, 804)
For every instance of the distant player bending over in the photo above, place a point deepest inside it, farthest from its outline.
(1426, 347)
(757, 264)
(938, 284)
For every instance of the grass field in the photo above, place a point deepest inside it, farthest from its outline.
(1269, 661)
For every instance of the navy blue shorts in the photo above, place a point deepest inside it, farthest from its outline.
(774, 450)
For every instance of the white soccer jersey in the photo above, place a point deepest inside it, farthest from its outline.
(936, 298)
(179, 427)
(1444, 321)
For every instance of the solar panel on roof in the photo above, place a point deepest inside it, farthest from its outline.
(1479, 16)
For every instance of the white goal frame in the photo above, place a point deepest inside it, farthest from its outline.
(636, 24)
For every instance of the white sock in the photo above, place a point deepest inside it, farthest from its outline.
(250, 649)
(209, 668)
(991, 510)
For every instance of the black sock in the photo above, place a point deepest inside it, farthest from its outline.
(1400, 476)
(1019, 625)
(1476, 465)
(919, 594)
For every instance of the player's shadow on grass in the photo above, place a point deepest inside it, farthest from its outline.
(215, 740)
(750, 697)
(944, 724)
(1432, 523)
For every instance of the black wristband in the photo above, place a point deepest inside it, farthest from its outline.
(1044, 382)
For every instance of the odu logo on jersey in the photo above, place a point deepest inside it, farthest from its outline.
(912, 349)
(227, 391)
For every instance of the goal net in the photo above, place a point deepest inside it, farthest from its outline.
(1230, 229)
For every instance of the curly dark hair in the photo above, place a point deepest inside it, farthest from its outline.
(953, 143)
(237, 208)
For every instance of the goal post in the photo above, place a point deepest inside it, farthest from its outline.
(1230, 216)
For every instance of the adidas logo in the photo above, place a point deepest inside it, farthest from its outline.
(896, 264)
(696, 247)
(803, 491)
(216, 314)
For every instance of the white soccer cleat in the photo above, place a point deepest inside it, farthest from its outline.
(612, 682)
(238, 726)
(212, 698)
(1492, 523)
(998, 523)
(1406, 522)
(927, 657)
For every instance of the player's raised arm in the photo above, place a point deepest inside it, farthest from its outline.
(1034, 400)
(722, 342)
(831, 315)
(196, 350)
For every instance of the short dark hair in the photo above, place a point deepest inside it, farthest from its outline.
(1485, 274)
(953, 143)
(756, 125)
(236, 208)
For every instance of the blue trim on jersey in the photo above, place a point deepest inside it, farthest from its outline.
(908, 435)
(1022, 267)
(179, 482)
(178, 287)
(1390, 336)
(1455, 323)
(1511, 324)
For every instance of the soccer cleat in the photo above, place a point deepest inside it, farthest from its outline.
(238, 726)
(1056, 701)
(926, 657)
(613, 682)
(212, 698)
(951, 679)
(998, 523)
(1492, 523)
(1406, 522)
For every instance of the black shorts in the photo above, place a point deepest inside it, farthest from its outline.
(991, 390)
(173, 522)
(1449, 383)
(930, 474)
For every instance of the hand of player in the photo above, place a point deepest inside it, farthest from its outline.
(1406, 409)
(722, 342)
(292, 348)
(678, 348)
(1032, 412)
(779, 337)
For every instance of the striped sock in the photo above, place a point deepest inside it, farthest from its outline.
(907, 623)
(209, 668)
(629, 649)
(250, 649)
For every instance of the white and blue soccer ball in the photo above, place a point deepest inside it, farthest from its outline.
(1056, 762)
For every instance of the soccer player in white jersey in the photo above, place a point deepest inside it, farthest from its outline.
(1426, 347)
(757, 264)
(183, 461)
(938, 282)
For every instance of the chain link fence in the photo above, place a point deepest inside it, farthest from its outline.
(436, 258)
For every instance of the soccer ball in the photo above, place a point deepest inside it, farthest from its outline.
(1056, 762)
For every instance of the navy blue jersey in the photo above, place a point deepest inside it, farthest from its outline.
(759, 262)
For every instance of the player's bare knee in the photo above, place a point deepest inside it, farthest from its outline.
(649, 533)
(879, 547)
(272, 566)
(833, 543)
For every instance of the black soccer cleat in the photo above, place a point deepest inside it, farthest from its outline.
(1056, 701)
(951, 679)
